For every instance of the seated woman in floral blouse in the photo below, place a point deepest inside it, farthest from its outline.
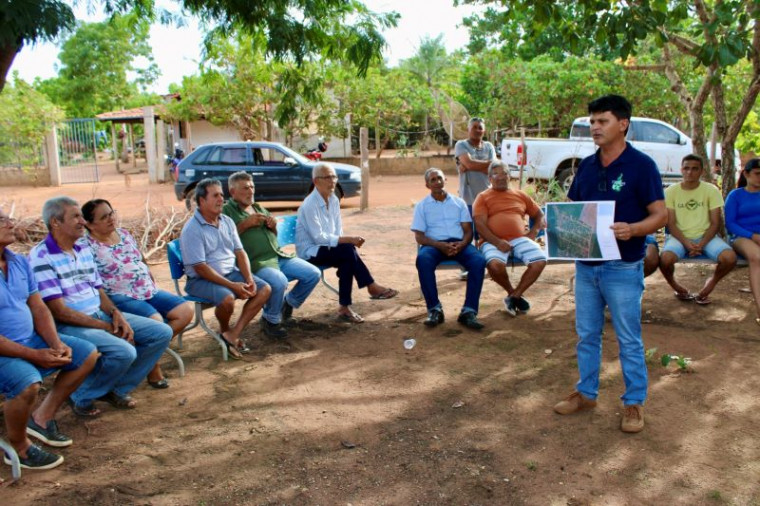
(126, 277)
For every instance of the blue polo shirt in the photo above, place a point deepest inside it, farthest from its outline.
(632, 181)
(441, 220)
(16, 321)
(213, 245)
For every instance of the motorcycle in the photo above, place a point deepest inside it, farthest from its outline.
(316, 153)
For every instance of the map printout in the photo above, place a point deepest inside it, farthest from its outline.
(581, 231)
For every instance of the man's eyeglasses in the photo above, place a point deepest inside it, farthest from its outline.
(5, 221)
(602, 179)
(334, 178)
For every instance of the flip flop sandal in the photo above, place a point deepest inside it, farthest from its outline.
(350, 318)
(686, 297)
(388, 293)
(84, 411)
(118, 401)
(232, 351)
(702, 301)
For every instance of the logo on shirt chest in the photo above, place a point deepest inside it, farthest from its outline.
(691, 205)
(617, 185)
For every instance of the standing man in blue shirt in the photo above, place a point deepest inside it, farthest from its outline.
(619, 172)
(442, 227)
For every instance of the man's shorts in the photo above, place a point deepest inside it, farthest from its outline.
(523, 249)
(162, 303)
(712, 250)
(17, 374)
(651, 239)
(199, 287)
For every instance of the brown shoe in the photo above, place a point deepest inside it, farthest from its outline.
(575, 402)
(633, 418)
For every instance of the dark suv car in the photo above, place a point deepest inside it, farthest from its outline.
(279, 173)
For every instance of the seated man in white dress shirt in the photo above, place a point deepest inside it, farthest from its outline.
(320, 240)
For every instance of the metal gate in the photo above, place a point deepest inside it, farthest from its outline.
(77, 151)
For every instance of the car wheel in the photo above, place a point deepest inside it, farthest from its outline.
(339, 192)
(565, 178)
(190, 203)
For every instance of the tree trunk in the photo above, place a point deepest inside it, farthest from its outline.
(8, 53)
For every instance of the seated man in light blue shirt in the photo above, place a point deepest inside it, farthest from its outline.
(320, 240)
(217, 267)
(442, 227)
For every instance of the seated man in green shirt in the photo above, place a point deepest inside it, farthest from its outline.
(258, 233)
(694, 221)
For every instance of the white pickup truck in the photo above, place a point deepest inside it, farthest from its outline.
(558, 159)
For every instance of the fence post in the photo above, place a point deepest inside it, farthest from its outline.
(364, 149)
(150, 143)
(53, 161)
(160, 151)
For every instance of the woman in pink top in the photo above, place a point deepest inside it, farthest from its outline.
(126, 277)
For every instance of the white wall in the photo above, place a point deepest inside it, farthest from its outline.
(203, 132)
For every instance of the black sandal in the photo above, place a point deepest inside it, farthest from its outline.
(160, 384)
(89, 411)
(118, 401)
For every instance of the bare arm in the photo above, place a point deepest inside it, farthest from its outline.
(481, 223)
(712, 231)
(473, 165)
(657, 218)
(64, 314)
(44, 324)
(538, 224)
(43, 357)
(252, 221)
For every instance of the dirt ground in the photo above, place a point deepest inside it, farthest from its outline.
(344, 415)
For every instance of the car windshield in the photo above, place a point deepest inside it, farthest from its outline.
(299, 158)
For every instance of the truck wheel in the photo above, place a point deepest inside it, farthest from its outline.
(565, 178)
(190, 203)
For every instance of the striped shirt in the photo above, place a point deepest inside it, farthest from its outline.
(73, 276)
(317, 225)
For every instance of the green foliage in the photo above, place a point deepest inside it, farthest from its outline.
(749, 137)
(95, 63)
(680, 360)
(512, 92)
(27, 116)
(649, 355)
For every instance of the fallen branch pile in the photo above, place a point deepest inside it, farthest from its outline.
(152, 231)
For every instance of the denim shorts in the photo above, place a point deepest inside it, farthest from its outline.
(712, 249)
(523, 249)
(199, 287)
(162, 303)
(17, 374)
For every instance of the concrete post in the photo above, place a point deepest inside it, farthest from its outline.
(113, 146)
(364, 149)
(149, 127)
(160, 151)
(53, 161)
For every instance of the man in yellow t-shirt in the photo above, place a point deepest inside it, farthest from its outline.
(499, 214)
(694, 219)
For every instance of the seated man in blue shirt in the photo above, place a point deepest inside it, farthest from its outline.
(442, 227)
(217, 267)
(30, 349)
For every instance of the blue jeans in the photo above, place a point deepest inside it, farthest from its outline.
(306, 275)
(618, 285)
(470, 258)
(121, 366)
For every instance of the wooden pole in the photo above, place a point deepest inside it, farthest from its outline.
(114, 146)
(523, 157)
(53, 161)
(364, 150)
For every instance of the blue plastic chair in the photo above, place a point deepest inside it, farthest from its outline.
(177, 269)
(286, 235)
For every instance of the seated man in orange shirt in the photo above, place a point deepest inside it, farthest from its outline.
(499, 214)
